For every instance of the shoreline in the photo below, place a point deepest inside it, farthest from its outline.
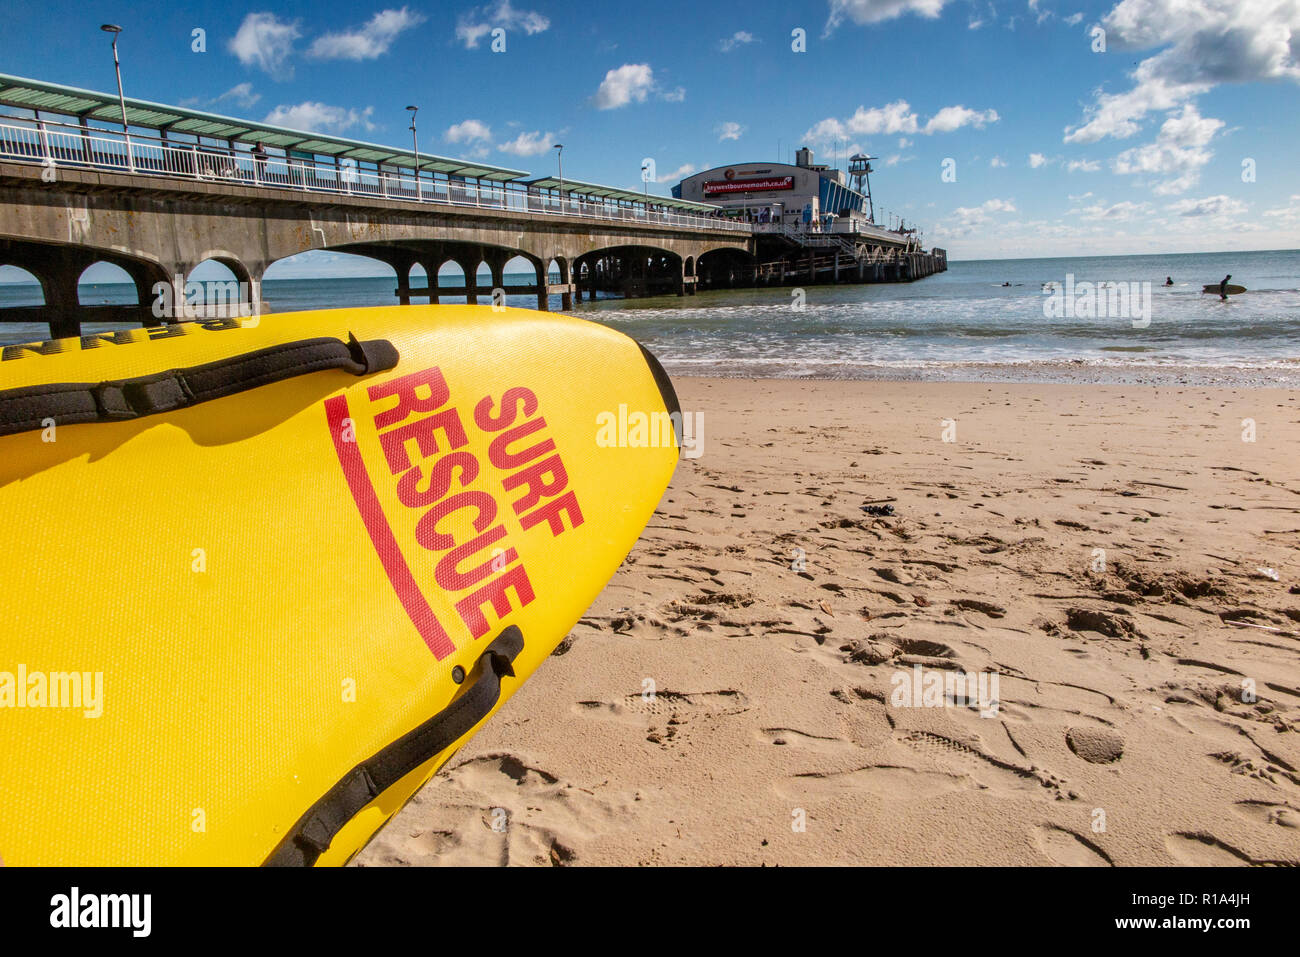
(1077, 372)
(1276, 374)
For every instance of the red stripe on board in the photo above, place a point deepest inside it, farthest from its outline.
(381, 534)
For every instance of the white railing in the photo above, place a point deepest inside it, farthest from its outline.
(56, 145)
(808, 237)
(839, 235)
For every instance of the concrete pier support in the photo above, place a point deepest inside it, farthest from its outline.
(431, 266)
(469, 266)
(543, 280)
(402, 261)
(60, 287)
(566, 278)
(496, 261)
(145, 278)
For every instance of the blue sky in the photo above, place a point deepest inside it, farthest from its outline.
(1058, 148)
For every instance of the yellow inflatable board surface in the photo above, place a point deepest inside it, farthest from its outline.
(264, 577)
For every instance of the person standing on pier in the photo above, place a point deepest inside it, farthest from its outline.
(259, 158)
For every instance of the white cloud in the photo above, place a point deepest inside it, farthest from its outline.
(737, 39)
(241, 93)
(1115, 211)
(468, 131)
(473, 25)
(1074, 19)
(1288, 216)
(1209, 206)
(681, 172)
(1037, 159)
(729, 131)
(966, 219)
(1200, 45)
(675, 95)
(997, 161)
(897, 118)
(630, 82)
(974, 24)
(318, 117)
(874, 11)
(1082, 166)
(265, 42)
(528, 144)
(955, 117)
(1178, 151)
(367, 42)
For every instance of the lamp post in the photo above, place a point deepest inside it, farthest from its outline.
(415, 147)
(559, 159)
(114, 29)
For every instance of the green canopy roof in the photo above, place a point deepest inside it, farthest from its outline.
(52, 98)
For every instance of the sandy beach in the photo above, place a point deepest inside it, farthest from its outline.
(1107, 552)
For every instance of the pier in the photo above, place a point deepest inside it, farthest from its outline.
(180, 187)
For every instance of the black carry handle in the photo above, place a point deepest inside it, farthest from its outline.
(311, 836)
(67, 403)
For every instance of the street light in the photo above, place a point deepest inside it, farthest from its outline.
(114, 29)
(415, 146)
(559, 158)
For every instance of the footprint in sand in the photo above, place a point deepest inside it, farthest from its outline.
(952, 766)
(1267, 812)
(494, 809)
(921, 647)
(634, 706)
(789, 737)
(1095, 745)
(1204, 850)
(885, 781)
(1068, 849)
(989, 772)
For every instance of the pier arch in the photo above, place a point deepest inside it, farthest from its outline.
(453, 273)
(105, 273)
(724, 268)
(223, 286)
(11, 274)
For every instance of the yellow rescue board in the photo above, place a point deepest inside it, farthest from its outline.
(236, 626)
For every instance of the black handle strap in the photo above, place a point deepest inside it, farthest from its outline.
(67, 403)
(312, 835)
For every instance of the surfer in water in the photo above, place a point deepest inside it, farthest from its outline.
(1223, 288)
(1169, 280)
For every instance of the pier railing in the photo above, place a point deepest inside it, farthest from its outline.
(57, 145)
(806, 235)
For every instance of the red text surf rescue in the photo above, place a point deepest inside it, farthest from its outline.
(424, 443)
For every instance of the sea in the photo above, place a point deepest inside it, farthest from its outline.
(1108, 319)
